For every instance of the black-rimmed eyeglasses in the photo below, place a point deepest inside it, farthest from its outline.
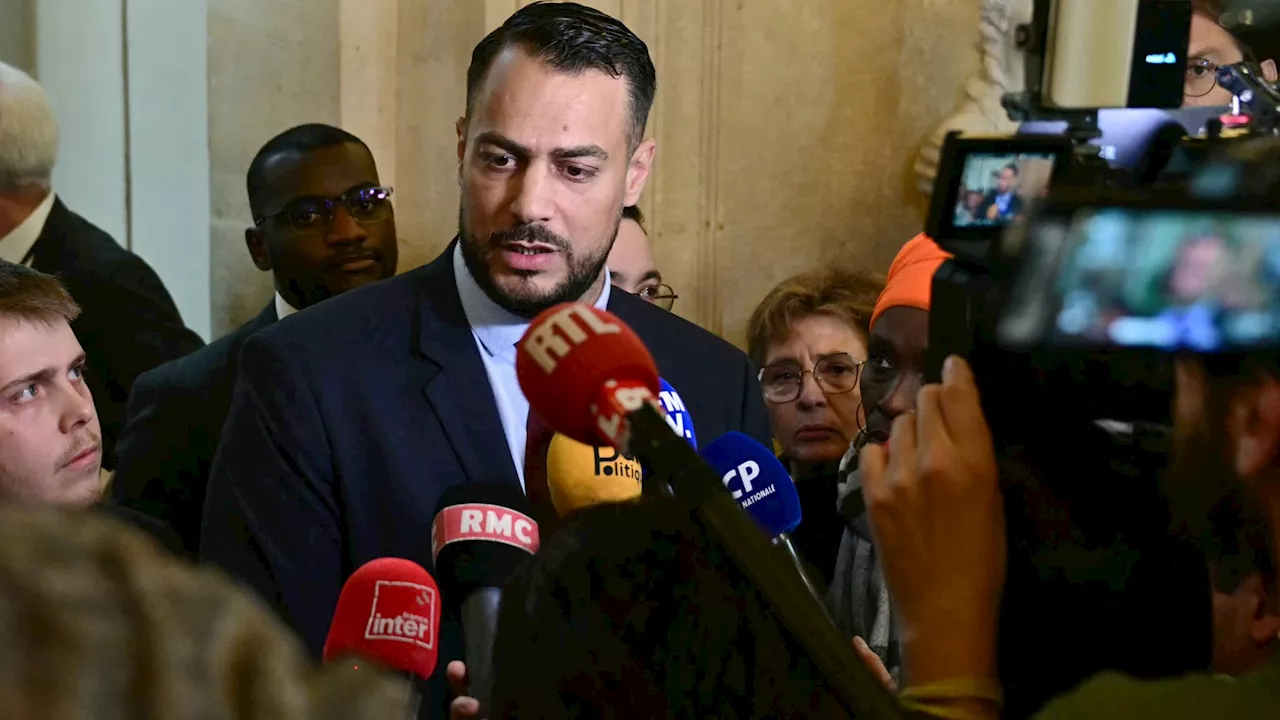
(1202, 74)
(835, 375)
(306, 214)
(661, 295)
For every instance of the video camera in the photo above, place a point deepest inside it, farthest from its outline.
(1073, 282)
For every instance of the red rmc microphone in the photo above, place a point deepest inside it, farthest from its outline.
(388, 612)
(583, 370)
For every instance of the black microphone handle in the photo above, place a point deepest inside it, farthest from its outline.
(479, 626)
(646, 435)
(784, 541)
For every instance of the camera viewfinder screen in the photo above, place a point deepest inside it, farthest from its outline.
(1164, 280)
(995, 188)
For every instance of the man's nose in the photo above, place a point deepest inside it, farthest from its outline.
(77, 407)
(345, 229)
(531, 195)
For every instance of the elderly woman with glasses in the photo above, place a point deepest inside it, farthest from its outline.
(809, 339)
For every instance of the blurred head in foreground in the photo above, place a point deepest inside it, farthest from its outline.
(95, 622)
(649, 617)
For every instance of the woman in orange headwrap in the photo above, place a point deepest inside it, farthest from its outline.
(858, 598)
(899, 333)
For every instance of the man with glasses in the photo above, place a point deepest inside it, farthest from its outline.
(322, 225)
(1210, 47)
(632, 265)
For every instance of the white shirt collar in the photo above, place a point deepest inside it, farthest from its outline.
(497, 328)
(15, 246)
(283, 308)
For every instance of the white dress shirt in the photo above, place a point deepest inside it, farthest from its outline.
(497, 330)
(15, 246)
(283, 308)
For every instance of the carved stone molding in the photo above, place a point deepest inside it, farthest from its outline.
(1001, 72)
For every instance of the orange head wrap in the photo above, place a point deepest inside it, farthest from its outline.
(910, 280)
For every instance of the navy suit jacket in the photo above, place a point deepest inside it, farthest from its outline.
(349, 421)
(175, 419)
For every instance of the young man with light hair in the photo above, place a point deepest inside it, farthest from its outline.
(129, 323)
(50, 440)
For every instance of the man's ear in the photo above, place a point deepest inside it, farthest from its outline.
(1269, 70)
(638, 170)
(1255, 420)
(461, 128)
(257, 245)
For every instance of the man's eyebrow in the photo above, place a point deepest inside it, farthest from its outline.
(42, 375)
(501, 141)
(615, 276)
(1204, 52)
(652, 275)
(580, 151)
(522, 152)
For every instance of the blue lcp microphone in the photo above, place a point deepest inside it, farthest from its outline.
(678, 416)
(763, 488)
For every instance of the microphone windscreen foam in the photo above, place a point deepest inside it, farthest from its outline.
(758, 481)
(581, 475)
(678, 416)
(388, 612)
(481, 533)
(567, 356)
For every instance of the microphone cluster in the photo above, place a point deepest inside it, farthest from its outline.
(619, 425)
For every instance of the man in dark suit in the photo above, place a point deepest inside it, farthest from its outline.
(350, 420)
(1002, 203)
(129, 323)
(322, 225)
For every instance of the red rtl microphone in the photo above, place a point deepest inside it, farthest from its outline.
(583, 371)
(388, 612)
(480, 535)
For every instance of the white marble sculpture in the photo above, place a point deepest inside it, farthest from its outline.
(1001, 71)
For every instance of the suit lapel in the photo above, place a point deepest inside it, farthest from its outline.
(456, 385)
(47, 249)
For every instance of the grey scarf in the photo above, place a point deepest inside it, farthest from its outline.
(858, 598)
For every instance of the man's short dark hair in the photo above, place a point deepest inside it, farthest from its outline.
(572, 38)
(1012, 166)
(632, 213)
(300, 139)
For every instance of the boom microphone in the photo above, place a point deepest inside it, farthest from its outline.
(388, 612)
(589, 377)
(761, 485)
(581, 476)
(480, 535)
(678, 416)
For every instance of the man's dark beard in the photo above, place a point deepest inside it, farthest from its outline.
(582, 273)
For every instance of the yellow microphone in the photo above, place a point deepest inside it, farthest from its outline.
(580, 476)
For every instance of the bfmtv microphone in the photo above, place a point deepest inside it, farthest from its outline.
(580, 476)
(388, 612)
(761, 485)
(480, 534)
(677, 414)
(591, 378)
